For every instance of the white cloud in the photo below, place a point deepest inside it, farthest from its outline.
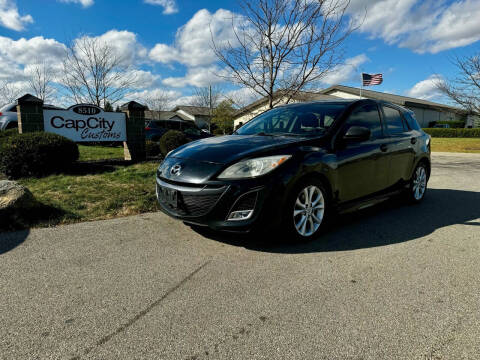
(145, 79)
(125, 45)
(10, 17)
(84, 3)
(346, 71)
(169, 6)
(28, 51)
(242, 96)
(144, 96)
(420, 25)
(197, 76)
(426, 89)
(193, 41)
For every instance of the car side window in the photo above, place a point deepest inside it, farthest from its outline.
(192, 131)
(366, 116)
(173, 125)
(394, 121)
(412, 121)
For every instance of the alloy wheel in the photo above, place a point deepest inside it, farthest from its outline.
(419, 183)
(309, 210)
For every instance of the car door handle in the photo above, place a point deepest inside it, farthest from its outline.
(383, 147)
(413, 140)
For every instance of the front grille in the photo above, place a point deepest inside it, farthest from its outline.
(195, 204)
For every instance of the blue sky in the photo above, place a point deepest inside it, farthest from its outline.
(409, 41)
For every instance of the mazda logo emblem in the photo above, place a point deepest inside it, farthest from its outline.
(176, 169)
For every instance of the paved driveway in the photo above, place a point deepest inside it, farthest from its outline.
(394, 282)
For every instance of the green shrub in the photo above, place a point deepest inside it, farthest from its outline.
(453, 133)
(171, 140)
(7, 133)
(152, 148)
(453, 124)
(36, 154)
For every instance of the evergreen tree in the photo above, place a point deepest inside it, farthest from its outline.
(108, 106)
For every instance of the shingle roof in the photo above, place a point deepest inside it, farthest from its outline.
(396, 99)
(163, 115)
(299, 96)
(194, 110)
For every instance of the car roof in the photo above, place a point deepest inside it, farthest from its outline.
(347, 102)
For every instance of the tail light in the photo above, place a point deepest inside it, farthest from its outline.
(1, 113)
(148, 128)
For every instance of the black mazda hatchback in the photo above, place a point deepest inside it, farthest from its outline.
(292, 167)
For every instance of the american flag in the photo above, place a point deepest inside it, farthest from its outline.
(371, 79)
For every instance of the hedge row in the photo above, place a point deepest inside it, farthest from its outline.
(453, 133)
(453, 124)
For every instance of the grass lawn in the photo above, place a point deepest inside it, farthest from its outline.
(99, 152)
(105, 192)
(469, 145)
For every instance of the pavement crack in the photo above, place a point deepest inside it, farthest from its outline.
(142, 313)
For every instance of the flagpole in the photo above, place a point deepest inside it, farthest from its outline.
(361, 84)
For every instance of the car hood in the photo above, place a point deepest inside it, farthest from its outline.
(227, 149)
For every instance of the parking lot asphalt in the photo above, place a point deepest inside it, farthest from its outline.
(394, 282)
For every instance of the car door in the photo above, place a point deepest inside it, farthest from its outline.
(400, 145)
(362, 166)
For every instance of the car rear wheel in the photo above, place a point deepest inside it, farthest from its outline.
(305, 215)
(418, 183)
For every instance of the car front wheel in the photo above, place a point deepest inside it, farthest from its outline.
(306, 212)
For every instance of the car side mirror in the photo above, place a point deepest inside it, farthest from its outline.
(357, 134)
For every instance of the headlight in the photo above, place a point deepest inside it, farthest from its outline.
(253, 167)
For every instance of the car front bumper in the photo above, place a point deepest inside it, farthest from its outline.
(210, 204)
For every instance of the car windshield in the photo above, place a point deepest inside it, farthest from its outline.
(297, 120)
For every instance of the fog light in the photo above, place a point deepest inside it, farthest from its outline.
(240, 215)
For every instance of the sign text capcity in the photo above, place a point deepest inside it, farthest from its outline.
(86, 123)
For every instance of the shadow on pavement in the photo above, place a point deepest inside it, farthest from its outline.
(389, 223)
(11, 240)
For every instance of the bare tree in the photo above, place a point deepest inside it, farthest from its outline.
(9, 93)
(284, 44)
(208, 96)
(94, 73)
(159, 100)
(465, 88)
(204, 96)
(40, 81)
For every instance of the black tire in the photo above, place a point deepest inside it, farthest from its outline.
(290, 223)
(417, 188)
